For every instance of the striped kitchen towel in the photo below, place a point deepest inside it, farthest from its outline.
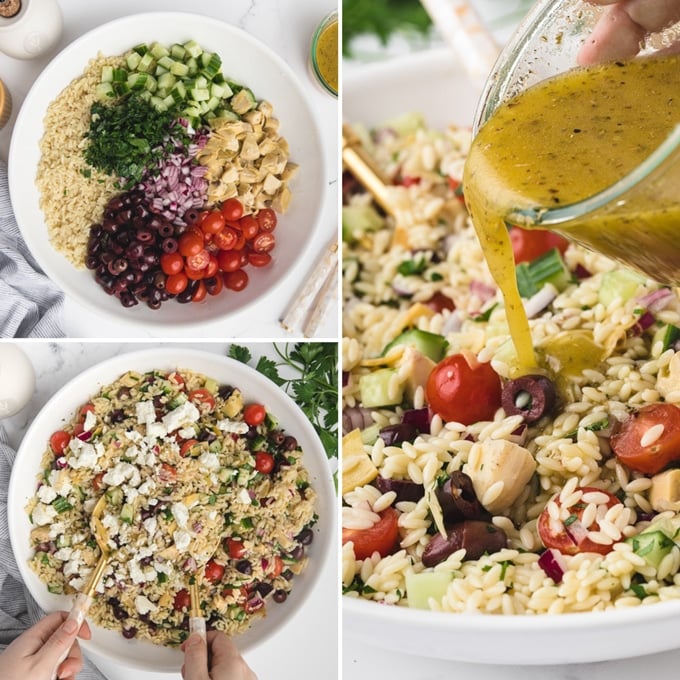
(30, 304)
(18, 610)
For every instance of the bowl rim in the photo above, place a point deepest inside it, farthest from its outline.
(86, 383)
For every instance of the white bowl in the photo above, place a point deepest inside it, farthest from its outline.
(439, 88)
(245, 60)
(255, 387)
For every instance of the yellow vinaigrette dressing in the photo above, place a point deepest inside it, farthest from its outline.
(562, 141)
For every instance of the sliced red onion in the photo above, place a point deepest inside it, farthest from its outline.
(61, 462)
(643, 323)
(482, 290)
(657, 299)
(84, 436)
(581, 272)
(538, 302)
(553, 564)
(453, 323)
(519, 436)
(577, 532)
(418, 417)
(355, 417)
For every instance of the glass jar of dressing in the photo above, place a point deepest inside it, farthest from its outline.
(323, 57)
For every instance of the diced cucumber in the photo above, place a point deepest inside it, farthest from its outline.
(668, 335)
(193, 48)
(127, 513)
(166, 62)
(357, 220)
(107, 74)
(119, 75)
(179, 69)
(430, 344)
(146, 63)
(654, 543)
(370, 434)
(141, 49)
(619, 283)
(429, 584)
(61, 504)
(133, 60)
(406, 124)
(114, 495)
(199, 94)
(104, 91)
(547, 268)
(137, 81)
(374, 388)
(178, 52)
(166, 82)
(159, 51)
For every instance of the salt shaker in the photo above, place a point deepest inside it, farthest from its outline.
(17, 379)
(29, 28)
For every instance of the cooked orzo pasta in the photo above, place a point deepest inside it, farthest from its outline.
(198, 485)
(465, 486)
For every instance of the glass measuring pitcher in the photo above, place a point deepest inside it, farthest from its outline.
(636, 219)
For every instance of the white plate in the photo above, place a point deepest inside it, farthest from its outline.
(245, 60)
(434, 84)
(255, 387)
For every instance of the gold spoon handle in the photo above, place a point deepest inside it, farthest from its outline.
(196, 620)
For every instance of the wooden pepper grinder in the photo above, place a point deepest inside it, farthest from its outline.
(29, 28)
(9, 8)
(5, 105)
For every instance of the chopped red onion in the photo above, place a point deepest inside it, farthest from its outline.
(519, 435)
(84, 436)
(453, 323)
(553, 564)
(483, 291)
(355, 417)
(538, 302)
(643, 323)
(577, 532)
(61, 462)
(657, 299)
(418, 417)
(581, 272)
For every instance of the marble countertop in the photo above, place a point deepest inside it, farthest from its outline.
(286, 26)
(308, 645)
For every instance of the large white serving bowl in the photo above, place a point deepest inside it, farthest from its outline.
(245, 60)
(255, 387)
(435, 84)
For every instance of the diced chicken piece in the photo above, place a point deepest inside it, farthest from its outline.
(664, 493)
(501, 468)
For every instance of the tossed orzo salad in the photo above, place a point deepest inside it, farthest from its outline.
(198, 485)
(465, 486)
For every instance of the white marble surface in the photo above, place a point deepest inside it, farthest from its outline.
(308, 646)
(286, 26)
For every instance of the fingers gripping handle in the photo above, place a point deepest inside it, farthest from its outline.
(78, 612)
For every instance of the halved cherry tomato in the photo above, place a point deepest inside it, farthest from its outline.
(462, 389)
(381, 537)
(254, 414)
(176, 283)
(98, 481)
(190, 243)
(176, 378)
(187, 446)
(182, 600)
(570, 536)
(214, 571)
(264, 243)
(171, 263)
(225, 239)
(212, 223)
(199, 260)
(259, 259)
(528, 244)
(236, 280)
(203, 398)
(264, 462)
(277, 567)
(59, 441)
(407, 181)
(249, 226)
(629, 445)
(267, 219)
(194, 274)
(212, 267)
(232, 209)
(200, 292)
(229, 260)
(167, 473)
(84, 410)
(235, 548)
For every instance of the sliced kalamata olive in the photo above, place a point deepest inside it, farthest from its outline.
(393, 435)
(458, 500)
(244, 567)
(129, 633)
(405, 489)
(280, 596)
(474, 536)
(306, 536)
(264, 589)
(418, 417)
(290, 443)
(531, 396)
(225, 391)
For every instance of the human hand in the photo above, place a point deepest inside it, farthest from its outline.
(219, 659)
(620, 31)
(36, 652)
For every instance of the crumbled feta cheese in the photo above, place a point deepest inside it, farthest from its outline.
(150, 525)
(121, 473)
(180, 513)
(147, 487)
(77, 583)
(43, 514)
(89, 504)
(46, 494)
(235, 426)
(187, 433)
(136, 573)
(72, 567)
(183, 415)
(56, 529)
(89, 422)
(244, 496)
(130, 493)
(133, 435)
(146, 412)
(84, 454)
(64, 554)
(212, 515)
(164, 566)
(182, 539)
(155, 431)
(111, 522)
(209, 460)
(143, 605)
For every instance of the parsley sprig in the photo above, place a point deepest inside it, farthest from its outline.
(314, 386)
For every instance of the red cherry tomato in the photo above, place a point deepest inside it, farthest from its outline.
(381, 537)
(212, 268)
(407, 181)
(462, 389)
(229, 260)
(200, 293)
(84, 410)
(264, 243)
(190, 243)
(629, 444)
(259, 259)
(212, 223)
(168, 473)
(226, 239)
(277, 567)
(194, 274)
(203, 398)
(214, 571)
(264, 462)
(232, 209)
(528, 244)
(182, 600)
(199, 260)
(235, 548)
(249, 227)
(176, 378)
(98, 482)
(176, 283)
(267, 219)
(187, 446)
(214, 284)
(236, 280)
(59, 441)
(171, 263)
(570, 536)
(254, 414)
